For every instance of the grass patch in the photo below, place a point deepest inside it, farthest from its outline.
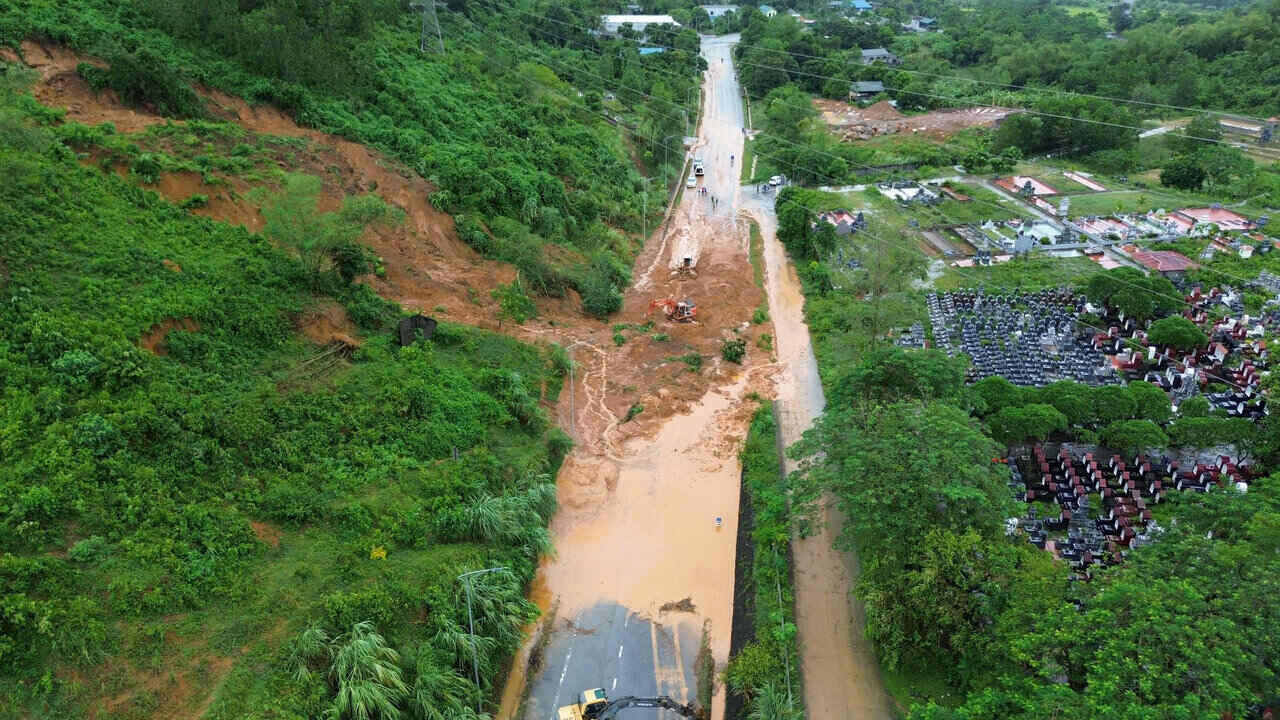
(744, 174)
(1027, 274)
(757, 255)
(1129, 201)
(704, 670)
(918, 686)
(693, 360)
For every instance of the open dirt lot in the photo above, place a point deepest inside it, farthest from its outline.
(851, 122)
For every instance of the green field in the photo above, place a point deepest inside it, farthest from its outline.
(1031, 274)
(1129, 201)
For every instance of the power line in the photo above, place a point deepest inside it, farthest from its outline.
(1265, 151)
(818, 173)
(1180, 300)
(1029, 88)
(435, 19)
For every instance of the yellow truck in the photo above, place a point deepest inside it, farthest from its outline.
(595, 705)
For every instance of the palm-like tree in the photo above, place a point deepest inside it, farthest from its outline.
(312, 646)
(367, 675)
(770, 703)
(439, 692)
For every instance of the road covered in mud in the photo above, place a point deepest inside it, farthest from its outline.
(639, 595)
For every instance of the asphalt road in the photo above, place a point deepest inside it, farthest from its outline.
(643, 651)
(720, 134)
(611, 647)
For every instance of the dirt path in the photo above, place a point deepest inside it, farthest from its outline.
(841, 676)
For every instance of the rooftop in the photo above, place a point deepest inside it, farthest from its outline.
(1222, 217)
(869, 86)
(1163, 260)
(1017, 182)
(875, 52)
(640, 19)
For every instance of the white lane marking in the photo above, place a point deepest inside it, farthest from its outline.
(615, 685)
(619, 652)
(555, 704)
(625, 621)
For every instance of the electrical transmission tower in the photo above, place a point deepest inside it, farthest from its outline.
(422, 39)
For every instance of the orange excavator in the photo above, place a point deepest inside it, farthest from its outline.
(681, 311)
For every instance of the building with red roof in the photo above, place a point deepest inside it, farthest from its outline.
(1165, 262)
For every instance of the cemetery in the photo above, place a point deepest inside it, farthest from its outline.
(1037, 338)
(1028, 338)
(1090, 507)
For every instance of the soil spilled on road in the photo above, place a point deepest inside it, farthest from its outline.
(639, 499)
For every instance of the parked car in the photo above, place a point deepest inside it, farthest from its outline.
(692, 182)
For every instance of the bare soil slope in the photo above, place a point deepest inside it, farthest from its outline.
(851, 122)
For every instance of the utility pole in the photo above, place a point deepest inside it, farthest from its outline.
(666, 151)
(471, 623)
(644, 212)
(422, 39)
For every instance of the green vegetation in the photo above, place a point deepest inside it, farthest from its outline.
(551, 187)
(946, 593)
(189, 485)
(324, 241)
(733, 350)
(766, 671)
(693, 360)
(632, 412)
(1178, 332)
(1135, 294)
(1027, 274)
(1129, 201)
(1022, 53)
(969, 624)
(757, 257)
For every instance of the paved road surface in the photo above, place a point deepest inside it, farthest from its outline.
(653, 541)
(614, 648)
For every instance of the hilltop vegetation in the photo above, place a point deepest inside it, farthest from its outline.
(1088, 95)
(509, 123)
(204, 513)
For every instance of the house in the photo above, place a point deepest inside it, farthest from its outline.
(652, 50)
(865, 90)
(1264, 131)
(767, 11)
(612, 23)
(1166, 262)
(715, 11)
(874, 55)
(800, 18)
(855, 5)
(845, 221)
(921, 24)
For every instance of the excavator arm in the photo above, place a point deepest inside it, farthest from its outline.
(665, 703)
